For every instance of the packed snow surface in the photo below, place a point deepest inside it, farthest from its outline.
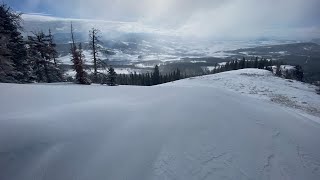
(223, 126)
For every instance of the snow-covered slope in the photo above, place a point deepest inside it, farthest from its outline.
(261, 84)
(190, 129)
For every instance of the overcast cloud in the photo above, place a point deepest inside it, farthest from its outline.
(219, 19)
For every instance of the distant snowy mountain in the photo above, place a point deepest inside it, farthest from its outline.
(132, 39)
(244, 124)
(33, 22)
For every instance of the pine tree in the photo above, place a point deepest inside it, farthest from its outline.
(235, 65)
(38, 55)
(148, 79)
(57, 74)
(112, 76)
(178, 74)
(298, 73)
(135, 78)
(242, 63)
(255, 63)
(35, 59)
(6, 64)
(227, 66)
(78, 61)
(42, 55)
(156, 76)
(52, 51)
(14, 66)
(278, 71)
(261, 63)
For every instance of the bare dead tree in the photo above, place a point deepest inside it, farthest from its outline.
(94, 39)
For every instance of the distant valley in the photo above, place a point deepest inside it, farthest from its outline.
(131, 47)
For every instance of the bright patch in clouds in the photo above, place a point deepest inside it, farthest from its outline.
(219, 19)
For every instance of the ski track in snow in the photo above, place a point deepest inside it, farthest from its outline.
(186, 130)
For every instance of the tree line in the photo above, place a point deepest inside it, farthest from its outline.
(262, 63)
(155, 77)
(149, 79)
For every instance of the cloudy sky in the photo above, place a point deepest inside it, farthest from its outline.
(219, 19)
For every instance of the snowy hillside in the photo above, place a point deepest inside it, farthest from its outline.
(261, 84)
(221, 126)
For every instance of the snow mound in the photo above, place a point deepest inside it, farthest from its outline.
(261, 84)
(66, 131)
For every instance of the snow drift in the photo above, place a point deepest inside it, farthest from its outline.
(210, 127)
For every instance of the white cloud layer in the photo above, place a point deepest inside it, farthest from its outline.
(219, 19)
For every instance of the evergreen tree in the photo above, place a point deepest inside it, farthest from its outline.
(13, 55)
(287, 74)
(143, 80)
(78, 61)
(52, 51)
(42, 55)
(222, 68)
(215, 68)
(39, 55)
(262, 63)
(242, 63)
(112, 75)
(177, 74)
(53, 56)
(298, 73)
(227, 67)
(6, 64)
(255, 63)
(156, 76)
(135, 78)
(278, 71)
(235, 65)
(148, 79)
(246, 64)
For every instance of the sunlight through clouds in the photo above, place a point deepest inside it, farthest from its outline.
(203, 18)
